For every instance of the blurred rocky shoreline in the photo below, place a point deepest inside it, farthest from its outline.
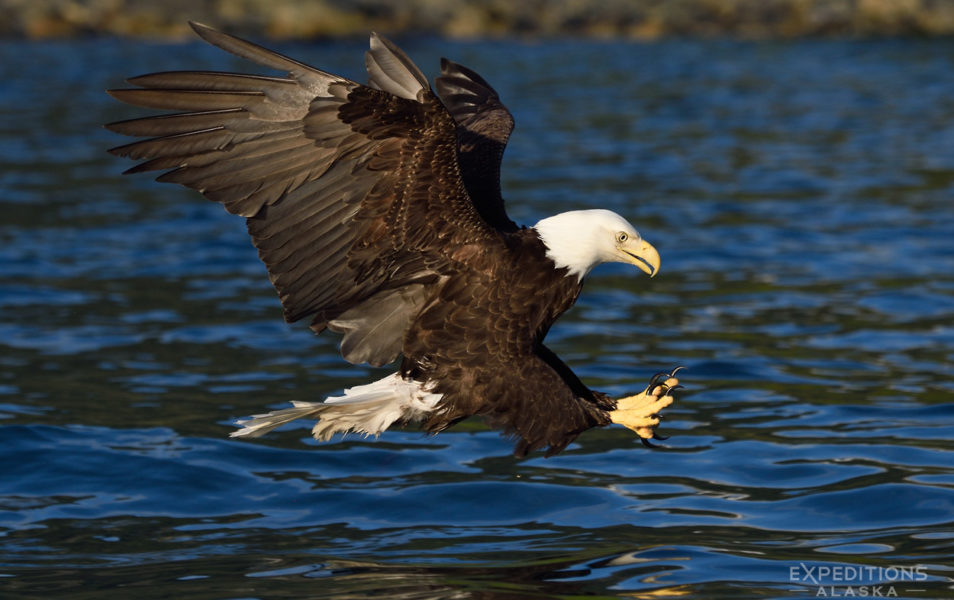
(636, 19)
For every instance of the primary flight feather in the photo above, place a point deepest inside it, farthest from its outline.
(377, 210)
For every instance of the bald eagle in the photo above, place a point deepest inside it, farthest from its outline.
(377, 211)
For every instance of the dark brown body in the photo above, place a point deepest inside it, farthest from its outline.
(473, 366)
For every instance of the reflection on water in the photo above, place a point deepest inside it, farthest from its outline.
(800, 195)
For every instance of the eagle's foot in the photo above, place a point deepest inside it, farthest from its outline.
(641, 412)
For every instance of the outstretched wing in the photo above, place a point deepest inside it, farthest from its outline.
(352, 193)
(483, 127)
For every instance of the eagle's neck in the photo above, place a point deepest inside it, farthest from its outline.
(570, 243)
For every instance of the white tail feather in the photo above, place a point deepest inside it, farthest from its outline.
(367, 409)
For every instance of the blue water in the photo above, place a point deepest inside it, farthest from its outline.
(801, 197)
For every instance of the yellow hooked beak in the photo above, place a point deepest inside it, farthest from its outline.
(641, 253)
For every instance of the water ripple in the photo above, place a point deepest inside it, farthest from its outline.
(799, 193)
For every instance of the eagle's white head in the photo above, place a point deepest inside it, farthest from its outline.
(581, 239)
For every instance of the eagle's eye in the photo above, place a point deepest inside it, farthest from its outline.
(621, 237)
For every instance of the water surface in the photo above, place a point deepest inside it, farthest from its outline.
(800, 195)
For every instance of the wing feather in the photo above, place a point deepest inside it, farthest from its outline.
(211, 80)
(186, 100)
(390, 70)
(483, 128)
(309, 78)
(173, 124)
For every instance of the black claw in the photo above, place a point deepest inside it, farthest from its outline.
(655, 380)
(669, 390)
(653, 384)
(663, 375)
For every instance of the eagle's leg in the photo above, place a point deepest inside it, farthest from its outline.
(641, 412)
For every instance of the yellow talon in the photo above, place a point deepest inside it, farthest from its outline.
(639, 412)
